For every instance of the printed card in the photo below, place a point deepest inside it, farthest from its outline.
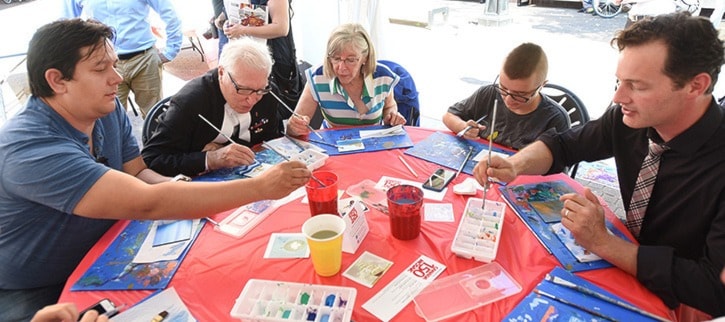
(350, 145)
(367, 269)
(356, 225)
(442, 212)
(287, 245)
(400, 291)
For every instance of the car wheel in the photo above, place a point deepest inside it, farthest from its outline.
(7, 1)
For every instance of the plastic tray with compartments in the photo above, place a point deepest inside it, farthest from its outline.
(479, 231)
(265, 300)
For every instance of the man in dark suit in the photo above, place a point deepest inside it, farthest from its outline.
(231, 97)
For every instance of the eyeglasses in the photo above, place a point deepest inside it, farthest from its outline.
(350, 61)
(516, 97)
(248, 91)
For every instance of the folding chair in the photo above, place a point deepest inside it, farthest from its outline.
(578, 114)
(152, 119)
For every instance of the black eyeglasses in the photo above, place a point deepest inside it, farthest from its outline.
(516, 97)
(248, 91)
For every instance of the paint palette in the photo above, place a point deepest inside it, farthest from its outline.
(479, 232)
(265, 300)
(312, 158)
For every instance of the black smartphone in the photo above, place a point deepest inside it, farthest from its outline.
(439, 179)
(103, 306)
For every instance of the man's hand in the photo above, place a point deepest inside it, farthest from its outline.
(220, 20)
(475, 130)
(283, 178)
(500, 169)
(394, 118)
(298, 125)
(232, 155)
(66, 312)
(584, 217)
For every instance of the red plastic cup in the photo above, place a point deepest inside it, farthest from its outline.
(322, 199)
(404, 203)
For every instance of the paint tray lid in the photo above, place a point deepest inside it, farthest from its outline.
(465, 291)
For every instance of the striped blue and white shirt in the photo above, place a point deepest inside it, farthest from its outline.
(336, 105)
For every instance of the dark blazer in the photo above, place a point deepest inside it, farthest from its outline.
(176, 145)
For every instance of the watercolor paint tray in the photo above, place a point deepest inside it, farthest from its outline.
(313, 159)
(465, 291)
(479, 232)
(265, 300)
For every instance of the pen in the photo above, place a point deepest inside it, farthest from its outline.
(160, 317)
(407, 166)
(574, 305)
(581, 289)
(462, 132)
(293, 113)
(215, 128)
(212, 221)
(488, 162)
(264, 144)
(114, 311)
(470, 150)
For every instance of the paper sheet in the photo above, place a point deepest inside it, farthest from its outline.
(401, 290)
(149, 254)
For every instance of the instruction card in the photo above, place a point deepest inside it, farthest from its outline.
(396, 295)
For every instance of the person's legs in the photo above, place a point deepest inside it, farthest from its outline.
(144, 79)
(124, 87)
(223, 40)
(21, 305)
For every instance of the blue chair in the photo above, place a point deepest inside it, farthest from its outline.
(152, 119)
(406, 95)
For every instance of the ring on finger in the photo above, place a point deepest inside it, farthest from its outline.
(566, 214)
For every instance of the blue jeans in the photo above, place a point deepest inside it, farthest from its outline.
(21, 305)
(223, 40)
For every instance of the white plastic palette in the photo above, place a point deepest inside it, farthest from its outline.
(313, 159)
(264, 300)
(479, 232)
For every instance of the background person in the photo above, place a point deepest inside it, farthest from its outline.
(286, 78)
(70, 167)
(232, 97)
(139, 62)
(523, 111)
(351, 88)
(665, 97)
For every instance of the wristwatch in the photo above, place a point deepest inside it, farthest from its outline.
(181, 177)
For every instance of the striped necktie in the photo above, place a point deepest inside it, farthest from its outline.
(643, 187)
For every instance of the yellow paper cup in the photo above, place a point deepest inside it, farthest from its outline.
(324, 237)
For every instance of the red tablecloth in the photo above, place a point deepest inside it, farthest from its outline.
(214, 272)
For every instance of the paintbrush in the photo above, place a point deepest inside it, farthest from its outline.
(293, 113)
(463, 165)
(581, 289)
(574, 305)
(216, 128)
(462, 132)
(488, 161)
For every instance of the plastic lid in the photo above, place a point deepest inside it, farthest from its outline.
(465, 291)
